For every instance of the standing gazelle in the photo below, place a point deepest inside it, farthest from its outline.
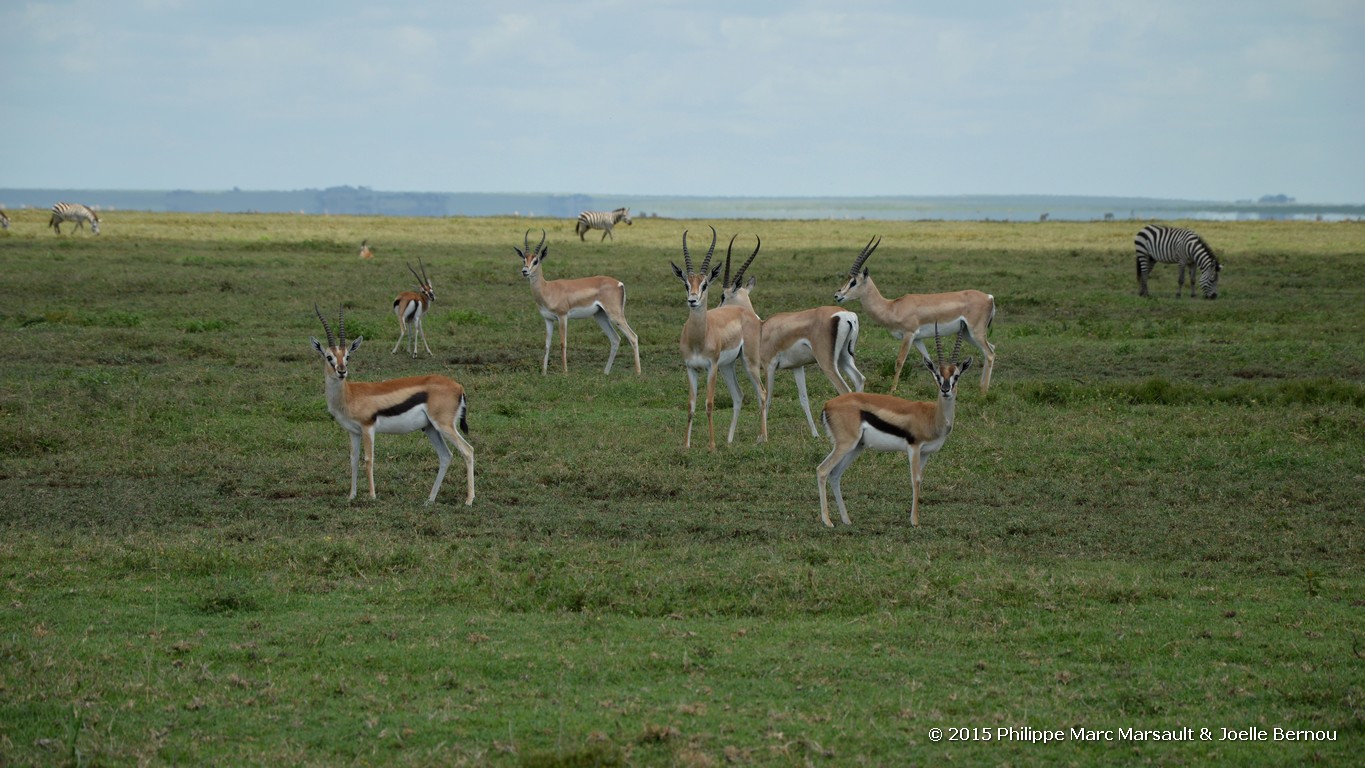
(601, 298)
(825, 336)
(411, 306)
(713, 341)
(884, 423)
(433, 404)
(913, 317)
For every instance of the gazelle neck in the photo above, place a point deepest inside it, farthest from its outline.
(877, 305)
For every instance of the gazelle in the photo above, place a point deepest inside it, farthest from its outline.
(713, 341)
(365, 252)
(912, 317)
(411, 306)
(601, 298)
(825, 336)
(860, 420)
(433, 404)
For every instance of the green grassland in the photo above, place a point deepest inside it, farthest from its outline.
(1152, 521)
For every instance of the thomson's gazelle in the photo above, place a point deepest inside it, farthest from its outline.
(861, 420)
(713, 341)
(824, 336)
(411, 306)
(913, 317)
(601, 298)
(434, 404)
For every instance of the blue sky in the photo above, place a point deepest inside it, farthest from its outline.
(1158, 98)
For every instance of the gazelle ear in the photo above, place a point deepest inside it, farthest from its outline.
(752, 282)
(355, 344)
(545, 253)
(929, 364)
(864, 271)
(316, 345)
(678, 272)
(965, 364)
(714, 272)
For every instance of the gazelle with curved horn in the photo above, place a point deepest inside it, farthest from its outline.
(713, 341)
(411, 306)
(912, 317)
(824, 336)
(862, 420)
(433, 404)
(602, 298)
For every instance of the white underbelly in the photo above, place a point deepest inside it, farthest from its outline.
(408, 421)
(796, 356)
(881, 441)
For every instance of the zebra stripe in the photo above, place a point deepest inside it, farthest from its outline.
(603, 220)
(73, 212)
(1174, 245)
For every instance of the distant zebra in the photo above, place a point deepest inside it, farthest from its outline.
(73, 212)
(1173, 245)
(603, 220)
(4, 220)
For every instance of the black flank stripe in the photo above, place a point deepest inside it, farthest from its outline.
(882, 425)
(403, 407)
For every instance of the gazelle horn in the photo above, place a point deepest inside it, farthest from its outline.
(739, 276)
(687, 257)
(424, 271)
(331, 342)
(710, 252)
(938, 346)
(542, 241)
(725, 279)
(341, 322)
(420, 281)
(957, 345)
(862, 257)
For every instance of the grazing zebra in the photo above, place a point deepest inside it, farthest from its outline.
(73, 212)
(4, 220)
(1172, 245)
(603, 220)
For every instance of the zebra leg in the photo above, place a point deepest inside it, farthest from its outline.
(612, 336)
(606, 232)
(1143, 267)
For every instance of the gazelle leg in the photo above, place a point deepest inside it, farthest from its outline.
(711, 405)
(629, 333)
(367, 438)
(549, 336)
(756, 378)
(442, 454)
(355, 461)
(564, 342)
(800, 374)
(917, 461)
(691, 403)
(768, 391)
(604, 323)
(736, 399)
(402, 329)
(900, 358)
(832, 469)
(421, 331)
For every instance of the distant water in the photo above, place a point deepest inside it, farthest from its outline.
(371, 202)
(986, 208)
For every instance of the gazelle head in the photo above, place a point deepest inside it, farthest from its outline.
(423, 282)
(697, 282)
(857, 282)
(531, 259)
(731, 288)
(335, 354)
(946, 374)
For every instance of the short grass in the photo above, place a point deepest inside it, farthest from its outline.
(1153, 521)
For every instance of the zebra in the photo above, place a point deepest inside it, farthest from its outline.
(603, 220)
(1174, 245)
(4, 220)
(73, 212)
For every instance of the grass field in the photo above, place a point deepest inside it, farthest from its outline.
(1152, 521)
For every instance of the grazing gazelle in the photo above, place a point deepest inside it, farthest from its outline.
(365, 252)
(861, 420)
(912, 317)
(825, 336)
(713, 341)
(434, 404)
(601, 298)
(411, 306)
